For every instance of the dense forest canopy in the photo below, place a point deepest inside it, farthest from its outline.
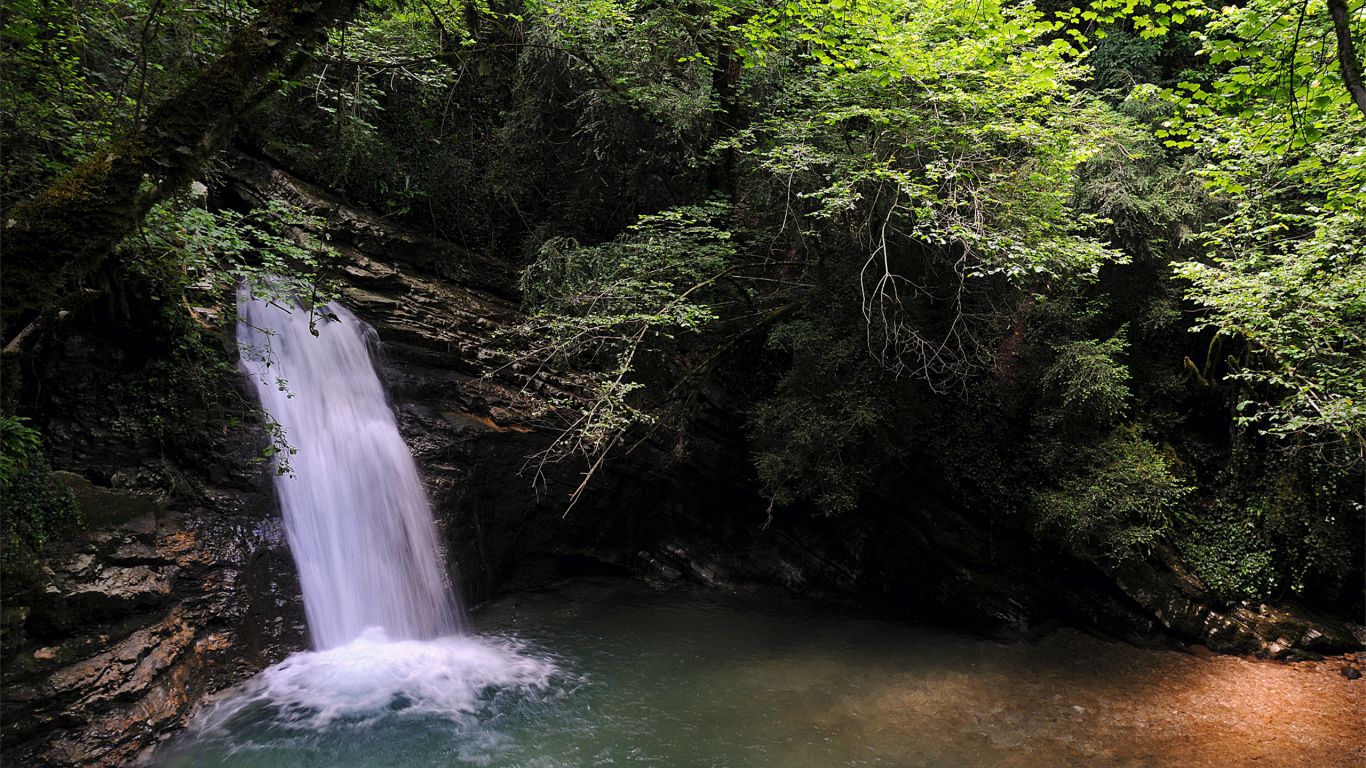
(1099, 266)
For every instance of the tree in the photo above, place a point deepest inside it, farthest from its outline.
(911, 164)
(1285, 271)
(61, 235)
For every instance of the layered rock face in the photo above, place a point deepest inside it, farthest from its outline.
(182, 585)
(178, 583)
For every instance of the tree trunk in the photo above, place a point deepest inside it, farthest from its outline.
(60, 236)
(1347, 55)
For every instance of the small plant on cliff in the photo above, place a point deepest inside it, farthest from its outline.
(32, 507)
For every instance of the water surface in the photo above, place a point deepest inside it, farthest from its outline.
(615, 674)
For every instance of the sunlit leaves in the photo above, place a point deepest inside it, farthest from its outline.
(1294, 287)
(1148, 18)
(186, 249)
(963, 119)
(1284, 147)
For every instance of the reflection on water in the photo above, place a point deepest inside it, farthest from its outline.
(614, 674)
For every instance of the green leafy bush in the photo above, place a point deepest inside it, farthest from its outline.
(1228, 550)
(1122, 497)
(1088, 381)
(1287, 531)
(830, 425)
(604, 308)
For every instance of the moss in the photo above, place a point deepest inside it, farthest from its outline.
(12, 628)
(103, 506)
(33, 507)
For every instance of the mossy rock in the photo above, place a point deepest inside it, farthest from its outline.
(107, 506)
(12, 628)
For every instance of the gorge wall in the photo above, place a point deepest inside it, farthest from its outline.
(181, 583)
(687, 507)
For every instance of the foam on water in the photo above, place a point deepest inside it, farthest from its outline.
(372, 677)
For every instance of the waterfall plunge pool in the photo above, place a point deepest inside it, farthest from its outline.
(606, 673)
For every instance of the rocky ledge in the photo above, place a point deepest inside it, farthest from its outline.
(160, 602)
(177, 584)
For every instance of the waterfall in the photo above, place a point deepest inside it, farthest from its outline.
(356, 514)
(389, 636)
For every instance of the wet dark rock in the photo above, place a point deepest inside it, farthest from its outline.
(1163, 586)
(168, 592)
(1351, 673)
(133, 628)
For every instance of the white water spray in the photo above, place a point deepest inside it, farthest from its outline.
(355, 511)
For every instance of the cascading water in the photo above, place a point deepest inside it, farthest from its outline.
(392, 653)
(355, 511)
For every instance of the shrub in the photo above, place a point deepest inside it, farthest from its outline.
(1121, 499)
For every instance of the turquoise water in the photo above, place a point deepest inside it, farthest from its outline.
(639, 678)
(616, 674)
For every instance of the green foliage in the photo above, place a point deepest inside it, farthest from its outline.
(601, 307)
(186, 261)
(654, 58)
(972, 233)
(1121, 497)
(54, 111)
(186, 251)
(1280, 143)
(79, 74)
(950, 157)
(830, 425)
(1228, 551)
(33, 508)
(1149, 19)
(1303, 311)
(1153, 207)
(1123, 59)
(970, 137)
(583, 23)
(1287, 531)
(649, 276)
(21, 444)
(1089, 382)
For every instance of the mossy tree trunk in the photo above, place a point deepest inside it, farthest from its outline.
(60, 236)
